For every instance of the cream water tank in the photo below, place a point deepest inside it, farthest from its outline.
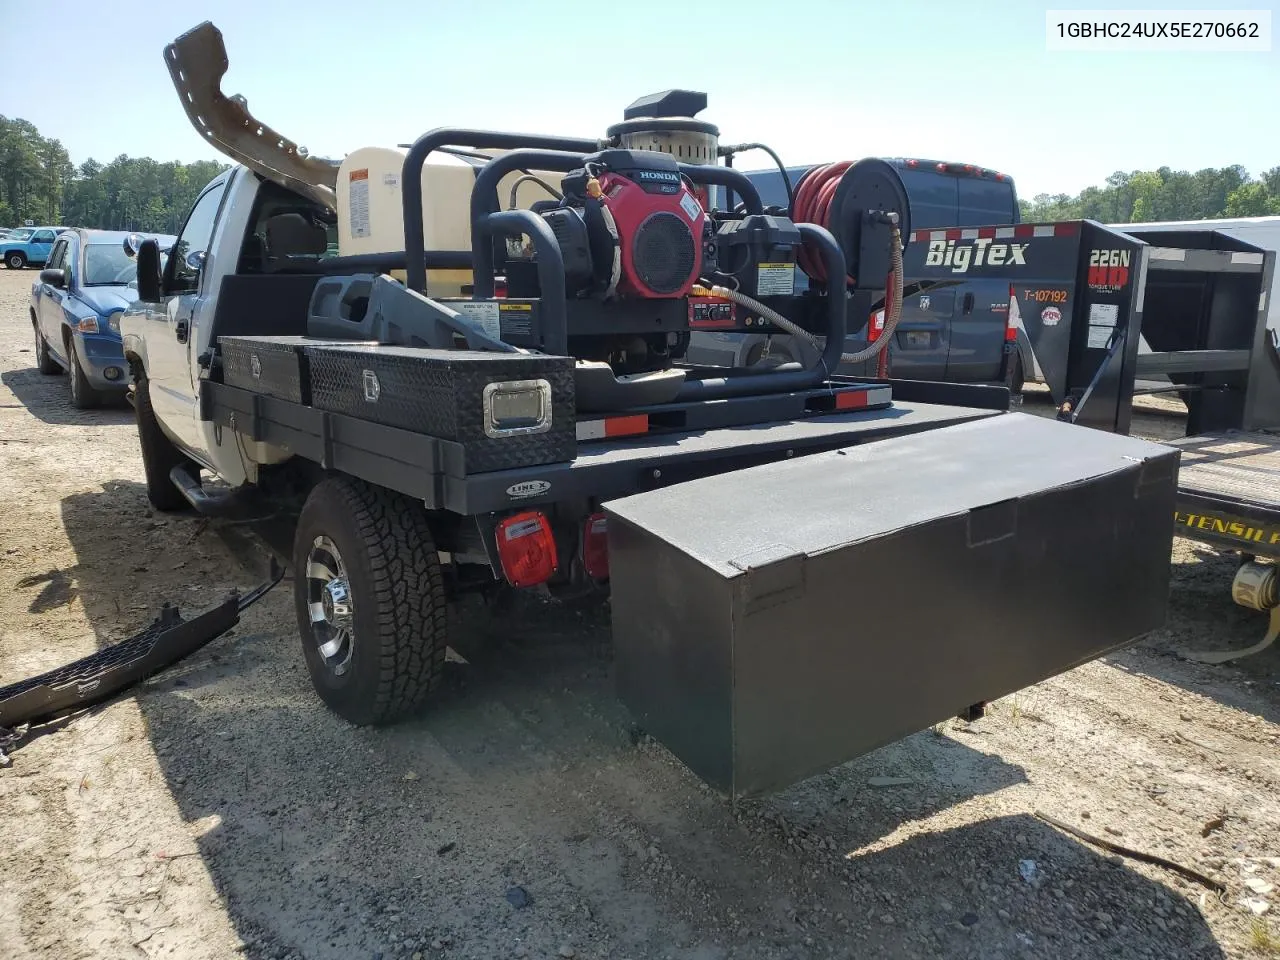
(370, 206)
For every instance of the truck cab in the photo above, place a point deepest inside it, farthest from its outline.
(241, 230)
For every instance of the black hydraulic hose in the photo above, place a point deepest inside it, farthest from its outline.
(553, 304)
(729, 151)
(484, 193)
(725, 177)
(715, 388)
(411, 180)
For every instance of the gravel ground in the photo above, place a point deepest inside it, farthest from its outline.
(222, 812)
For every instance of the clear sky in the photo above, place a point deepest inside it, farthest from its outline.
(816, 79)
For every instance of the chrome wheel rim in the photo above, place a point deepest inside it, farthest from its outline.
(329, 606)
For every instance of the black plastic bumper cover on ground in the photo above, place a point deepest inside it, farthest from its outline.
(114, 669)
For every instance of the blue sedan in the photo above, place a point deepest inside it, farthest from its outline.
(76, 303)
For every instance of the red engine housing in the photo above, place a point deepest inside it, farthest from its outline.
(659, 237)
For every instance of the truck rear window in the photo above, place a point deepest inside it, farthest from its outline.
(984, 202)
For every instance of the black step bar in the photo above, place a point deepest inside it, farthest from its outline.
(112, 670)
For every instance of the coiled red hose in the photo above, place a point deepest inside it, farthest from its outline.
(814, 195)
(812, 204)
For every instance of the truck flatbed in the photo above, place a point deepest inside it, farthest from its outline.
(1229, 490)
(428, 468)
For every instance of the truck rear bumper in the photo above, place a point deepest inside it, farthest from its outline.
(775, 622)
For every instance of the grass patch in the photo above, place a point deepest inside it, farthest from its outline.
(1262, 939)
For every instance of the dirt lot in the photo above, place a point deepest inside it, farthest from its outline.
(223, 812)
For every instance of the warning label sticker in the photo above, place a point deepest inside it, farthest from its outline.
(776, 279)
(1103, 314)
(1102, 321)
(358, 204)
(483, 316)
(517, 319)
(690, 206)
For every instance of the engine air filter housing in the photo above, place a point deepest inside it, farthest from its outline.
(664, 123)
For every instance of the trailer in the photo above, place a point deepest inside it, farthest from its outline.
(1088, 297)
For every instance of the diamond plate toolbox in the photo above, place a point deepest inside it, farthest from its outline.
(442, 393)
(272, 366)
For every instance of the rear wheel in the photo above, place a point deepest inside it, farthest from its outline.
(44, 359)
(83, 396)
(15, 261)
(159, 455)
(370, 601)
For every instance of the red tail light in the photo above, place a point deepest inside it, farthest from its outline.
(1011, 317)
(595, 547)
(526, 549)
(875, 326)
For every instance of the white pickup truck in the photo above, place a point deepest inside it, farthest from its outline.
(544, 437)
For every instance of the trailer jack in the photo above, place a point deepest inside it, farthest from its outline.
(112, 670)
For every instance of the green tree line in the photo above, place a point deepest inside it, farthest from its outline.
(38, 182)
(1144, 196)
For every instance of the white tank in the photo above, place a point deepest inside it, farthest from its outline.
(370, 211)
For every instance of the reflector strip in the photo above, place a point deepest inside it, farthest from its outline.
(609, 427)
(1022, 231)
(851, 400)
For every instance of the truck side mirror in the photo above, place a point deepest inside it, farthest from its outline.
(132, 243)
(148, 258)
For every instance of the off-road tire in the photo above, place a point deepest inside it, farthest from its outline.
(159, 455)
(83, 395)
(399, 605)
(15, 260)
(44, 359)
